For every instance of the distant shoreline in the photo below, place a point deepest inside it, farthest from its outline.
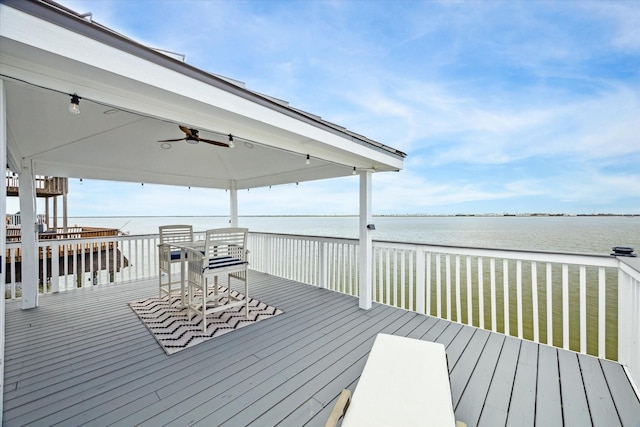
(489, 215)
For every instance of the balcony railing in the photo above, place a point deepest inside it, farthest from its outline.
(581, 302)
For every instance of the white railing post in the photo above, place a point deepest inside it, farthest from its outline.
(629, 318)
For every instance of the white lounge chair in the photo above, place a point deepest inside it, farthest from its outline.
(225, 254)
(405, 382)
(169, 256)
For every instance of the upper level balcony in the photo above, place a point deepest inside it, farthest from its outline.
(532, 338)
(46, 186)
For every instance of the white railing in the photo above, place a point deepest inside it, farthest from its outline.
(566, 300)
(67, 264)
(586, 303)
(14, 219)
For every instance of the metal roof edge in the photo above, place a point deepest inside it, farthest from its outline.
(62, 16)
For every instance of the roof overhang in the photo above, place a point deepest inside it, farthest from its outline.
(133, 96)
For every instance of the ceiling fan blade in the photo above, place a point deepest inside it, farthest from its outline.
(172, 140)
(187, 131)
(218, 143)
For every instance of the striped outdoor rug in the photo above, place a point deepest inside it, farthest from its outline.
(169, 323)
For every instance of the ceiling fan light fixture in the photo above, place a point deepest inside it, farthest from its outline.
(231, 144)
(74, 106)
(308, 161)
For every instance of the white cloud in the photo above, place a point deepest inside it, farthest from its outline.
(453, 84)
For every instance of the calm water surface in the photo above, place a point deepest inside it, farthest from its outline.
(566, 234)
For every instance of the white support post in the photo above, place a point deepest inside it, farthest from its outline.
(3, 232)
(366, 245)
(29, 245)
(233, 205)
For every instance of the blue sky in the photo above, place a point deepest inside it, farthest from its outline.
(501, 106)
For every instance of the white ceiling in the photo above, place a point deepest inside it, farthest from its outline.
(132, 100)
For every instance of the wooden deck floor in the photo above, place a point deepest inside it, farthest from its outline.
(83, 357)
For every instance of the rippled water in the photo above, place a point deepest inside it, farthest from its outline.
(584, 234)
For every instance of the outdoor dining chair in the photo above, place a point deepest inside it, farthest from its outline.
(170, 256)
(225, 254)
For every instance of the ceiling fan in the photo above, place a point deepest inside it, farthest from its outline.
(193, 138)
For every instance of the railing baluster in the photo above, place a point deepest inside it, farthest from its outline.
(534, 301)
(428, 282)
(99, 255)
(602, 315)
(565, 307)
(65, 258)
(388, 277)
(494, 311)
(480, 294)
(83, 266)
(43, 252)
(549, 305)
(519, 297)
(469, 293)
(458, 296)
(583, 309)
(55, 267)
(438, 286)
(411, 282)
(403, 284)
(420, 281)
(395, 278)
(505, 290)
(447, 264)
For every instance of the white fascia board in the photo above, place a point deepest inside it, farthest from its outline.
(43, 35)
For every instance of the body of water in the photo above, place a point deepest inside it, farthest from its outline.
(582, 234)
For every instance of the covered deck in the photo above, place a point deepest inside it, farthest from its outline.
(83, 357)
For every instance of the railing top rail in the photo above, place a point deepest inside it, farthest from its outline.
(516, 254)
(305, 236)
(533, 255)
(528, 254)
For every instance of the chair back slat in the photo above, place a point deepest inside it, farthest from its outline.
(225, 246)
(176, 233)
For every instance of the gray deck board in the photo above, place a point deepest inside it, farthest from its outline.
(84, 358)
(496, 405)
(622, 393)
(470, 404)
(460, 374)
(574, 400)
(603, 411)
(523, 396)
(548, 412)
